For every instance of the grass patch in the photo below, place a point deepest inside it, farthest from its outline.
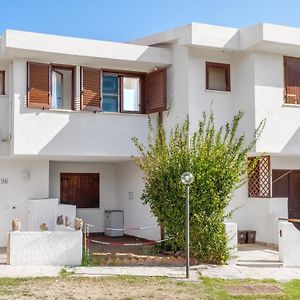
(65, 273)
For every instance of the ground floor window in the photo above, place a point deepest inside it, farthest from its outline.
(80, 189)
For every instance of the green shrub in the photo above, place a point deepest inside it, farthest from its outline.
(218, 161)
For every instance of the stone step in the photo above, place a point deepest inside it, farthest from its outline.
(260, 264)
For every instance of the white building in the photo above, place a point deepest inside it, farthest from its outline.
(69, 108)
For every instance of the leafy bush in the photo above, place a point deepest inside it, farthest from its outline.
(218, 161)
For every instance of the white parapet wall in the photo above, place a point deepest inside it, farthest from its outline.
(289, 244)
(54, 248)
(231, 232)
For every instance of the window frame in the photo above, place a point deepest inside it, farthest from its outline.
(223, 66)
(63, 67)
(121, 75)
(3, 82)
(286, 100)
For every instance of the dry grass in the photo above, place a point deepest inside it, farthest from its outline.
(68, 286)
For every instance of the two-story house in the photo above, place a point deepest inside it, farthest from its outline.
(69, 108)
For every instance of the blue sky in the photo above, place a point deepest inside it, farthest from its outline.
(123, 20)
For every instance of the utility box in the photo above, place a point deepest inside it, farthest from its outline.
(114, 223)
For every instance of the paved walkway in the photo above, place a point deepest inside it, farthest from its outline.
(248, 254)
(241, 272)
(225, 272)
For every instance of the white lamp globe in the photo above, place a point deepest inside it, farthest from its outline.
(187, 178)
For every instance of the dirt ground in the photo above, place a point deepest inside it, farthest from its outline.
(68, 286)
(98, 288)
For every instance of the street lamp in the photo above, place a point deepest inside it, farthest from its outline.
(187, 178)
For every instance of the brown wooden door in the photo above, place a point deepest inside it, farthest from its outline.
(80, 189)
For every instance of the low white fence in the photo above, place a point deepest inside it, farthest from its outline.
(289, 244)
(55, 248)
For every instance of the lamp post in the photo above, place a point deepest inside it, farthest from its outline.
(187, 178)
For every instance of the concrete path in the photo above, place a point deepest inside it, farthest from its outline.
(242, 272)
(28, 271)
(171, 272)
(226, 272)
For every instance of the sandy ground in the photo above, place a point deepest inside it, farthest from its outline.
(100, 288)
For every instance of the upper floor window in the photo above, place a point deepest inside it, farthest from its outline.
(121, 92)
(292, 79)
(2, 82)
(50, 86)
(217, 76)
(62, 87)
(53, 86)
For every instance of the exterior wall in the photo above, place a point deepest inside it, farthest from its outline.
(136, 214)
(52, 248)
(200, 99)
(108, 185)
(289, 243)
(13, 195)
(281, 134)
(177, 87)
(69, 133)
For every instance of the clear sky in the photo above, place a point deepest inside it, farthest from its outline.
(124, 20)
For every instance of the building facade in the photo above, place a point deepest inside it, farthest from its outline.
(69, 108)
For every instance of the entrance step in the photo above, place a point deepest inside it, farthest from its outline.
(260, 264)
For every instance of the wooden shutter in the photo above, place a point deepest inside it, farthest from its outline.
(91, 82)
(156, 91)
(292, 79)
(259, 180)
(38, 95)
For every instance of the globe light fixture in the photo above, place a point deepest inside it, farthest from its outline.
(187, 178)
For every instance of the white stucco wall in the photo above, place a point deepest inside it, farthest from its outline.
(108, 185)
(281, 134)
(54, 248)
(289, 243)
(14, 194)
(136, 214)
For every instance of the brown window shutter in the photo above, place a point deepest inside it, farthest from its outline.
(91, 87)
(156, 91)
(292, 80)
(38, 95)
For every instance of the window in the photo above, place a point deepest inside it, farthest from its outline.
(2, 82)
(50, 86)
(292, 79)
(121, 92)
(62, 87)
(110, 93)
(217, 76)
(80, 189)
(259, 180)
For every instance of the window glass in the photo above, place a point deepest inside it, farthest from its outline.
(217, 78)
(2, 82)
(110, 103)
(110, 93)
(131, 94)
(62, 87)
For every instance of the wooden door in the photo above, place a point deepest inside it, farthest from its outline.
(80, 189)
(294, 199)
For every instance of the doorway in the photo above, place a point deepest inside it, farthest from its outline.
(287, 184)
(80, 189)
